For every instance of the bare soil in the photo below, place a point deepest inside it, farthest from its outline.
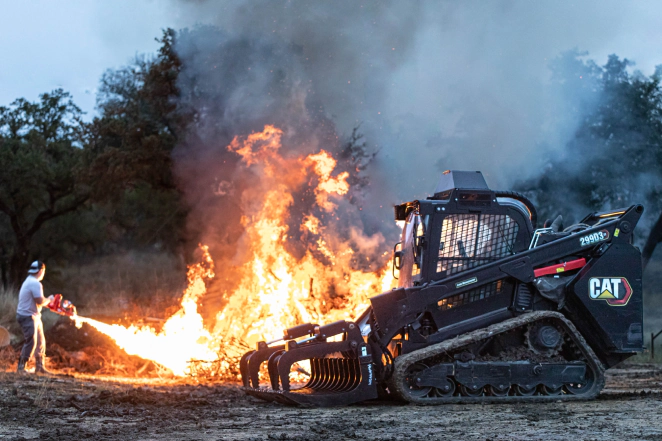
(65, 407)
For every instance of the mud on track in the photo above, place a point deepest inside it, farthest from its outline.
(72, 408)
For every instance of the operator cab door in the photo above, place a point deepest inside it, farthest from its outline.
(411, 259)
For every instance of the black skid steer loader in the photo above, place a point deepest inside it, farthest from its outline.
(488, 308)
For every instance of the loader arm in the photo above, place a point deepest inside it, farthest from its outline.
(487, 309)
(396, 309)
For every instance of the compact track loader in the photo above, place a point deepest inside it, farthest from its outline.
(488, 308)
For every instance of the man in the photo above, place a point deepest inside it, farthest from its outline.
(28, 314)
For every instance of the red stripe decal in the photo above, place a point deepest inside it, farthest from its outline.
(561, 267)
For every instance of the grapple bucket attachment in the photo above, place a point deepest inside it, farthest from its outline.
(341, 372)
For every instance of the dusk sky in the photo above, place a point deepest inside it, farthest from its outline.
(69, 44)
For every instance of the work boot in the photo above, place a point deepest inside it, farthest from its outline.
(39, 366)
(21, 366)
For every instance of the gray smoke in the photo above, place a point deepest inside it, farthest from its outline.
(434, 85)
(315, 72)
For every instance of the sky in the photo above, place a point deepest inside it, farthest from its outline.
(46, 44)
(462, 83)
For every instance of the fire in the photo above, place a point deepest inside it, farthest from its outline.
(183, 336)
(324, 164)
(276, 290)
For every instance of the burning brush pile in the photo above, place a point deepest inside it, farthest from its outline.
(274, 287)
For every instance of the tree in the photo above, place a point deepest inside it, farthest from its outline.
(615, 155)
(43, 170)
(133, 138)
(355, 157)
(114, 173)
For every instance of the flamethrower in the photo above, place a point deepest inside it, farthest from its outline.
(62, 307)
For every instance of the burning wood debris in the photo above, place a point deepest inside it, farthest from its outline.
(276, 289)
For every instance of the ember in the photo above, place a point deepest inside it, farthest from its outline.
(276, 289)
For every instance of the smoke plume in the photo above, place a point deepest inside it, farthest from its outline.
(431, 85)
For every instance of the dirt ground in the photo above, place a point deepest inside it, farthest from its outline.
(65, 407)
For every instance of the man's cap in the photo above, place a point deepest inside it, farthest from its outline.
(36, 266)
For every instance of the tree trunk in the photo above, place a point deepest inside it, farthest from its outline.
(19, 262)
(3, 267)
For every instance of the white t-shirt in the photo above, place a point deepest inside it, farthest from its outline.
(30, 290)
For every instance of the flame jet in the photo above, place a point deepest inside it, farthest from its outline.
(275, 288)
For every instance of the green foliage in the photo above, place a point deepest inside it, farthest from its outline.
(148, 217)
(355, 157)
(133, 139)
(43, 169)
(139, 123)
(77, 233)
(40, 159)
(69, 189)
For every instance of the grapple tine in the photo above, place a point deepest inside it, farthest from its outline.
(337, 375)
(254, 362)
(308, 351)
(352, 369)
(346, 375)
(321, 363)
(356, 373)
(333, 376)
(330, 376)
(316, 363)
(325, 374)
(349, 366)
(363, 388)
(272, 368)
(332, 380)
(243, 368)
(310, 379)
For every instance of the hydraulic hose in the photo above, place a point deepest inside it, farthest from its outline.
(523, 199)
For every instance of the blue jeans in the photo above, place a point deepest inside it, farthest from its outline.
(33, 333)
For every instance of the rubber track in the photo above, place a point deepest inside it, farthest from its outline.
(396, 383)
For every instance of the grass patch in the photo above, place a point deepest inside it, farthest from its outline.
(645, 357)
(121, 286)
(8, 303)
(134, 284)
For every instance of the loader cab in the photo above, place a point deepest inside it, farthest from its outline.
(462, 226)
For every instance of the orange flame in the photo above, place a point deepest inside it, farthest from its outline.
(324, 164)
(183, 336)
(276, 289)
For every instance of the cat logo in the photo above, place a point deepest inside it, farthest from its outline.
(615, 290)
